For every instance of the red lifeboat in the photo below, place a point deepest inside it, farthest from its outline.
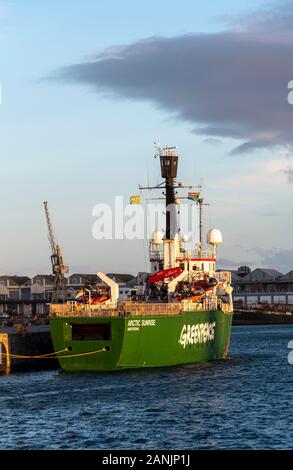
(207, 284)
(97, 300)
(164, 274)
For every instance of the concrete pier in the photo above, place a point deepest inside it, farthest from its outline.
(33, 341)
(261, 317)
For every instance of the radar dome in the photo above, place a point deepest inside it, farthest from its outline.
(214, 237)
(185, 238)
(157, 238)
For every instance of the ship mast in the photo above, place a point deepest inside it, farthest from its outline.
(200, 244)
(58, 266)
(169, 164)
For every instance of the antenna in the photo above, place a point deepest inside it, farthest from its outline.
(157, 147)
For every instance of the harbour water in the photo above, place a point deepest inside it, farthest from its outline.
(243, 402)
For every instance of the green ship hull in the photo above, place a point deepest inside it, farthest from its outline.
(116, 343)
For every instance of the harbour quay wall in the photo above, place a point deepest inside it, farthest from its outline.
(32, 341)
(262, 317)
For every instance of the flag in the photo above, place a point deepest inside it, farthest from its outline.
(193, 196)
(79, 294)
(134, 199)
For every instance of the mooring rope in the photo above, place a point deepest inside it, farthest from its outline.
(38, 356)
(49, 355)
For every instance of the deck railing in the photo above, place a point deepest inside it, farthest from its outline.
(195, 254)
(128, 308)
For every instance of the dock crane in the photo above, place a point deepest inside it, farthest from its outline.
(58, 266)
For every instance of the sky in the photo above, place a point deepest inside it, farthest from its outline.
(87, 87)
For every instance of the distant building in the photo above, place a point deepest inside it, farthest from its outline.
(15, 294)
(24, 296)
(262, 286)
(42, 287)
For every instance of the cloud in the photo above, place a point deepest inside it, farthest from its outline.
(227, 263)
(230, 84)
(213, 141)
(281, 259)
(289, 173)
(273, 257)
(261, 178)
(274, 16)
(282, 165)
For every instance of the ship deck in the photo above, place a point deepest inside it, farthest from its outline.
(129, 308)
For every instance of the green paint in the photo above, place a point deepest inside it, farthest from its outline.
(145, 341)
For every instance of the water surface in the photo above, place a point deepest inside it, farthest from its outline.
(243, 402)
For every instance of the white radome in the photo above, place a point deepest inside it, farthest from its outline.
(157, 238)
(214, 237)
(185, 238)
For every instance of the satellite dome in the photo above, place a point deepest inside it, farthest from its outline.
(214, 237)
(157, 237)
(185, 238)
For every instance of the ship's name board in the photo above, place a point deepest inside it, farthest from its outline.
(196, 334)
(134, 325)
